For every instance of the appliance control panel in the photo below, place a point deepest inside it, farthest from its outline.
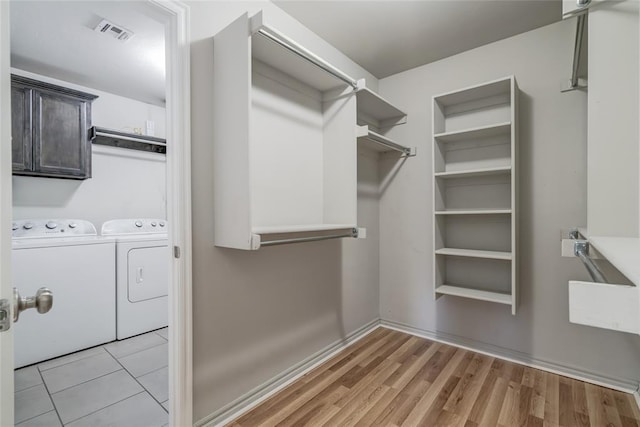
(118, 227)
(43, 228)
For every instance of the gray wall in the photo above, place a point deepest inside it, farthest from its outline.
(552, 197)
(256, 314)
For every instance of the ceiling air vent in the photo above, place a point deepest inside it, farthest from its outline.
(116, 31)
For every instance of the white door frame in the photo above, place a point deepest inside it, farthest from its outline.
(6, 338)
(178, 211)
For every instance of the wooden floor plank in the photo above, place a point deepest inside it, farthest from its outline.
(389, 378)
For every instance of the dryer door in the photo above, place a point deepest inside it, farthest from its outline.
(148, 273)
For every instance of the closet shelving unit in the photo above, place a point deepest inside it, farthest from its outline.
(475, 192)
(375, 117)
(285, 139)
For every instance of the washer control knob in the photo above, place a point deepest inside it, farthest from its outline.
(51, 225)
(14, 226)
(72, 225)
(28, 226)
(153, 224)
(138, 224)
(161, 224)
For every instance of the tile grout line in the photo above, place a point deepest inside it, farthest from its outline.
(37, 365)
(135, 352)
(105, 407)
(84, 382)
(139, 383)
(55, 408)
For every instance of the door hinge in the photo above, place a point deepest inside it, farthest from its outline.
(176, 252)
(5, 315)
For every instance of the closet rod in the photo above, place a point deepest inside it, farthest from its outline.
(581, 250)
(303, 53)
(389, 144)
(577, 50)
(352, 233)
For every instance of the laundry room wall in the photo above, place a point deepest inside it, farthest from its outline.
(124, 183)
(552, 190)
(258, 313)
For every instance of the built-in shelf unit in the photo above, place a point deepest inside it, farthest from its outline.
(285, 131)
(475, 192)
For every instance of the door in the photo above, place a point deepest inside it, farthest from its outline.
(6, 292)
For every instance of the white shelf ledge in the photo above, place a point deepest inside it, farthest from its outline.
(275, 229)
(474, 212)
(622, 252)
(460, 291)
(373, 106)
(488, 131)
(380, 143)
(471, 253)
(502, 170)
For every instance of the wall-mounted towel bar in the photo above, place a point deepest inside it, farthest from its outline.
(353, 233)
(303, 53)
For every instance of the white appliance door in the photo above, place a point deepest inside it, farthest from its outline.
(148, 273)
(82, 279)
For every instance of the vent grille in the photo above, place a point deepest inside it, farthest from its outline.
(118, 32)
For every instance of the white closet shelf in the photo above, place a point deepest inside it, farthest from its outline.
(478, 92)
(622, 252)
(276, 229)
(507, 256)
(474, 212)
(502, 170)
(480, 132)
(376, 107)
(381, 143)
(474, 294)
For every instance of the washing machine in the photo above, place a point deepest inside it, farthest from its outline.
(66, 256)
(142, 274)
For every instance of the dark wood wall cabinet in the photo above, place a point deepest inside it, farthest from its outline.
(50, 130)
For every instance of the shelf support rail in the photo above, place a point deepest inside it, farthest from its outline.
(405, 150)
(581, 250)
(575, 82)
(303, 53)
(352, 233)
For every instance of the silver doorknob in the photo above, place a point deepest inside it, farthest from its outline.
(42, 301)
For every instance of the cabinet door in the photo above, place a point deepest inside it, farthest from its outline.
(60, 135)
(21, 149)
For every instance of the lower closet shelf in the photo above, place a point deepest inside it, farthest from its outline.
(471, 253)
(474, 294)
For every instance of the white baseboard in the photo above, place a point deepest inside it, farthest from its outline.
(261, 393)
(518, 357)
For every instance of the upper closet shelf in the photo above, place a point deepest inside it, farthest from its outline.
(502, 170)
(377, 111)
(480, 132)
(381, 143)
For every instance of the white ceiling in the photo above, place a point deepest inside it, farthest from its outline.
(56, 39)
(387, 37)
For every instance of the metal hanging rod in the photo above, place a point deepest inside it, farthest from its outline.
(352, 233)
(577, 49)
(303, 53)
(581, 250)
(390, 144)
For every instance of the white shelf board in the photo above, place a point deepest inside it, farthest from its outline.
(502, 170)
(496, 129)
(460, 291)
(375, 106)
(622, 252)
(474, 212)
(273, 229)
(471, 253)
(480, 91)
(378, 142)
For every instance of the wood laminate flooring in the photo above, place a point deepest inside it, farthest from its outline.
(393, 379)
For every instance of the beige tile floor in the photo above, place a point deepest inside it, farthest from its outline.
(123, 383)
